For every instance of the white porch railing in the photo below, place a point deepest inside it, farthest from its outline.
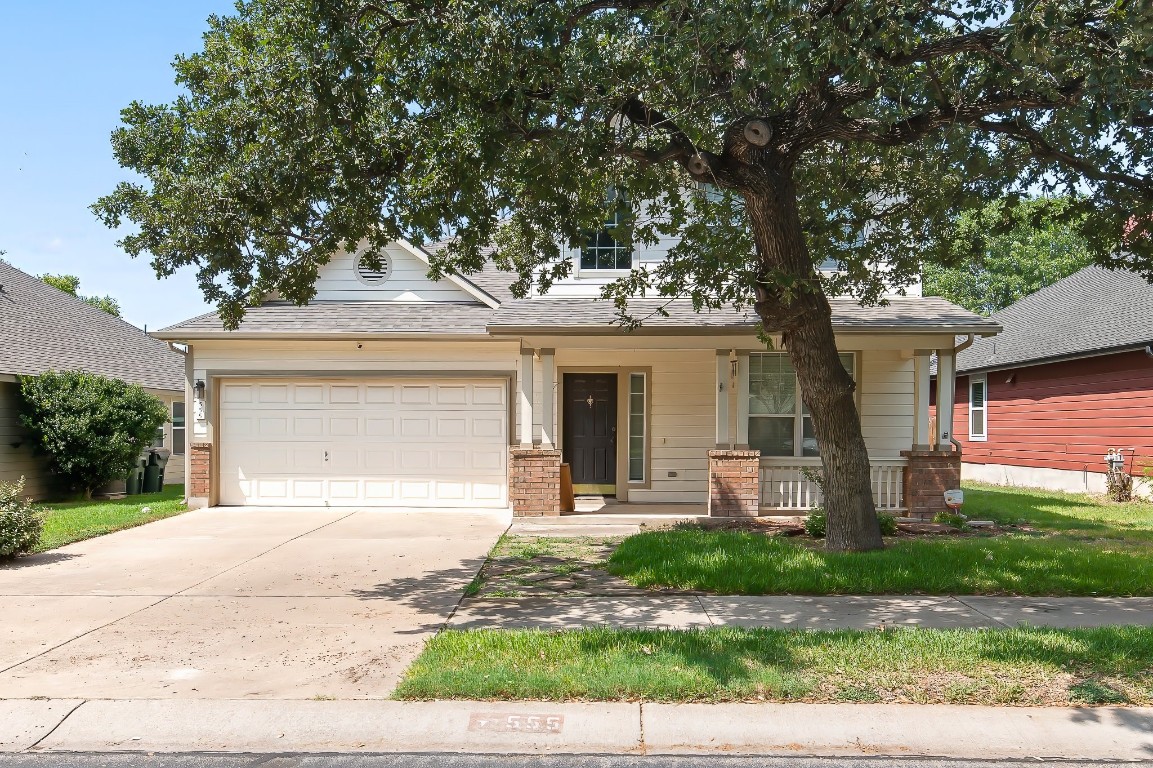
(784, 487)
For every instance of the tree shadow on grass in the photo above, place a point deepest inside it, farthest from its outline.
(734, 563)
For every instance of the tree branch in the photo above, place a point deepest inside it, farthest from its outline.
(1043, 149)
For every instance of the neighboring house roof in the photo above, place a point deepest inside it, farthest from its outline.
(334, 318)
(43, 328)
(911, 315)
(1090, 312)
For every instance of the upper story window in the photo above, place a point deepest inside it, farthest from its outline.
(603, 250)
(779, 421)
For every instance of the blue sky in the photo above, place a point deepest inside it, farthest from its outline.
(66, 70)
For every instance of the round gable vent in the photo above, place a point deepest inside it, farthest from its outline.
(369, 275)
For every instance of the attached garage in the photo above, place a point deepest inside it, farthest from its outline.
(388, 442)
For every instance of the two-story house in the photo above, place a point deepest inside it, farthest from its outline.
(393, 390)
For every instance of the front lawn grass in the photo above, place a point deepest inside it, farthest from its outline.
(1068, 545)
(72, 521)
(1037, 667)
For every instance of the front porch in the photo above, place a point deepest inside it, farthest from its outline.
(673, 429)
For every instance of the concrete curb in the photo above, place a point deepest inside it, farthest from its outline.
(373, 726)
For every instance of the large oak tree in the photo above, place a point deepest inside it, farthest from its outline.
(853, 130)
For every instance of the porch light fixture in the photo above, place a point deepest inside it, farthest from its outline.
(198, 389)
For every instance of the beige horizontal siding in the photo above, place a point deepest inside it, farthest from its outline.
(886, 385)
(16, 457)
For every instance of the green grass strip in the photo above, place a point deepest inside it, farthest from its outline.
(65, 523)
(1016, 666)
(739, 563)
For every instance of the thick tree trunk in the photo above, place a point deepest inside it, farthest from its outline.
(803, 317)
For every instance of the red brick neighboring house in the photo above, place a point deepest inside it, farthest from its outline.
(1070, 377)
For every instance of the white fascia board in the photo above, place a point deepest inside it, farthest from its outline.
(461, 282)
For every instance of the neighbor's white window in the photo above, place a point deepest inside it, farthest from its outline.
(178, 427)
(978, 408)
(779, 420)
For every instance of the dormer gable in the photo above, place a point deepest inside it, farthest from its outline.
(402, 276)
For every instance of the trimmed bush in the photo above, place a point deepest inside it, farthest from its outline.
(90, 427)
(816, 522)
(888, 524)
(20, 521)
(954, 519)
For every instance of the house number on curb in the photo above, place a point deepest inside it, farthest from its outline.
(503, 722)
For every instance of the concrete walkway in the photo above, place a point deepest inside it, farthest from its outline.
(796, 612)
(284, 727)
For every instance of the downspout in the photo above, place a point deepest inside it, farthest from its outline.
(959, 348)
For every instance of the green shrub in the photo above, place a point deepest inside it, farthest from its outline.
(816, 522)
(954, 519)
(90, 427)
(888, 524)
(20, 521)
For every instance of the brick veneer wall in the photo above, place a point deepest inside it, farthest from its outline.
(928, 476)
(534, 482)
(734, 483)
(200, 481)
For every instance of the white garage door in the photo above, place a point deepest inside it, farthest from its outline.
(386, 443)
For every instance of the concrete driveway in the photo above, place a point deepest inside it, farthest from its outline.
(238, 603)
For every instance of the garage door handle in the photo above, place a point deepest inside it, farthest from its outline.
(326, 455)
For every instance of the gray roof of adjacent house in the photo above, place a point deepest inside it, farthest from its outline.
(335, 318)
(906, 314)
(1090, 312)
(43, 328)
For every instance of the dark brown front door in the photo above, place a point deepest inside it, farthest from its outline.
(590, 431)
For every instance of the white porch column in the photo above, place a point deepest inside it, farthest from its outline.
(524, 399)
(548, 398)
(921, 386)
(742, 400)
(722, 393)
(946, 383)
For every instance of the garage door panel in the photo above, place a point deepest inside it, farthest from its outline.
(388, 443)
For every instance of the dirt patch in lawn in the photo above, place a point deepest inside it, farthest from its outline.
(532, 566)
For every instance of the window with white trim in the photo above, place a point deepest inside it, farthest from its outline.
(605, 249)
(779, 420)
(178, 427)
(637, 427)
(978, 408)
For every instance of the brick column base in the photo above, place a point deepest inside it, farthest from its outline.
(200, 475)
(928, 476)
(734, 483)
(534, 482)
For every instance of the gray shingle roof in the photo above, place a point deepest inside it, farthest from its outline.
(325, 318)
(583, 315)
(42, 329)
(493, 281)
(1090, 311)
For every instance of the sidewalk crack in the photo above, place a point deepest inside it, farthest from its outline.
(53, 730)
(979, 612)
(705, 611)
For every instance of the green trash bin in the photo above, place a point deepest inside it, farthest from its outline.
(134, 483)
(154, 472)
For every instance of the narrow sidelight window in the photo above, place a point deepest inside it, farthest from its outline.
(638, 429)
